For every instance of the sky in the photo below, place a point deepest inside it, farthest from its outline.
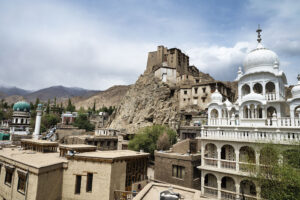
(97, 44)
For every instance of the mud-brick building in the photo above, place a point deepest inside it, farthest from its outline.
(179, 165)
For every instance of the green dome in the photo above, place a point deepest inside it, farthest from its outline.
(22, 106)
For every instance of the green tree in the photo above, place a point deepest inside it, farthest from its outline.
(37, 101)
(82, 122)
(70, 107)
(48, 107)
(94, 107)
(146, 138)
(279, 173)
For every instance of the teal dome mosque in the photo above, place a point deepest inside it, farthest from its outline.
(21, 106)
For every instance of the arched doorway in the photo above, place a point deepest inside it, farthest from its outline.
(247, 187)
(227, 184)
(258, 88)
(210, 185)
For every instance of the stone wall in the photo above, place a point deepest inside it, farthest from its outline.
(164, 164)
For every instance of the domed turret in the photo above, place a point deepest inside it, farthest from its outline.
(296, 89)
(228, 103)
(21, 106)
(216, 97)
(260, 58)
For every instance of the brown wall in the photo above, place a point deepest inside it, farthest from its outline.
(164, 164)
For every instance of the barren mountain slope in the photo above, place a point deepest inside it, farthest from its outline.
(149, 101)
(109, 97)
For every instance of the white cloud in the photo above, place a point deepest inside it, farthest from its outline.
(220, 61)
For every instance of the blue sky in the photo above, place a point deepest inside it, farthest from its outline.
(97, 44)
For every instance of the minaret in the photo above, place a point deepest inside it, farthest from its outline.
(37, 122)
(258, 34)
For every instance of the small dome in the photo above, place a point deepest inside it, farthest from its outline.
(228, 103)
(260, 57)
(21, 106)
(296, 89)
(216, 97)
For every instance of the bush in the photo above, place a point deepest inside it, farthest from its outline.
(146, 138)
(82, 122)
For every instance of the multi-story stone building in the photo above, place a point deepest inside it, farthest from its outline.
(39, 172)
(261, 114)
(194, 87)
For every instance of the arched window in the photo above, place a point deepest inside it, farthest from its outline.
(247, 154)
(270, 111)
(210, 151)
(210, 180)
(257, 88)
(270, 87)
(227, 152)
(227, 183)
(214, 113)
(245, 89)
(247, 187)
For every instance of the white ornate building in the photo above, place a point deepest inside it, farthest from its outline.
(261, 114)
(20, 119)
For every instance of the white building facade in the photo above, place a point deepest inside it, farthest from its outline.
(261, 114)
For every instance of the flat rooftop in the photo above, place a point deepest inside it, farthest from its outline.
(112, 154)
(30, 158)
(76, 146)
(39, 142)
(152, 192)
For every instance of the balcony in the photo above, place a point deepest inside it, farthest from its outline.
(210, 191)
(211, 162)
(228, 164)
(271, 96)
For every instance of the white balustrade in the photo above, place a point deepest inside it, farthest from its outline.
(226, 194)
(210, 191)
(228, 164)
(271, 96)
(211, 162)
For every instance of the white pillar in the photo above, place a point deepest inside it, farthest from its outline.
(219, 157)
(38, 122)
(237, 158)
(202, 183)
(219, 188)
(237, 190)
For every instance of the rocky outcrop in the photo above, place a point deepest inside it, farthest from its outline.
(109, 97)
(149, 101)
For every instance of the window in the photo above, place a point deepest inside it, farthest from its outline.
(178, 171)
(8, 176)
(196, 90)
(77, 184)
(203, 89)
(22, 183)
(197, 80)
(185, 91)
(108, 143)
(203, 99)
(89, 182)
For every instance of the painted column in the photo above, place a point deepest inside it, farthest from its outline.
(38, 122)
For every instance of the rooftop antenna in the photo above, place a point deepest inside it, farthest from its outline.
(258, 34)
(298, 77)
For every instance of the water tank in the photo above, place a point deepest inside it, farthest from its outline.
(169, 195)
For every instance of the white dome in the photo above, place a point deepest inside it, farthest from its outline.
(260, 57)
(228, 103)
(296, 90)
(216, 97)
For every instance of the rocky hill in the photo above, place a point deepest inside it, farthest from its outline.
(109, 97)
(9, 91)
(149, 101)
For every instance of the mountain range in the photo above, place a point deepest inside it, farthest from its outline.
(12, 94)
